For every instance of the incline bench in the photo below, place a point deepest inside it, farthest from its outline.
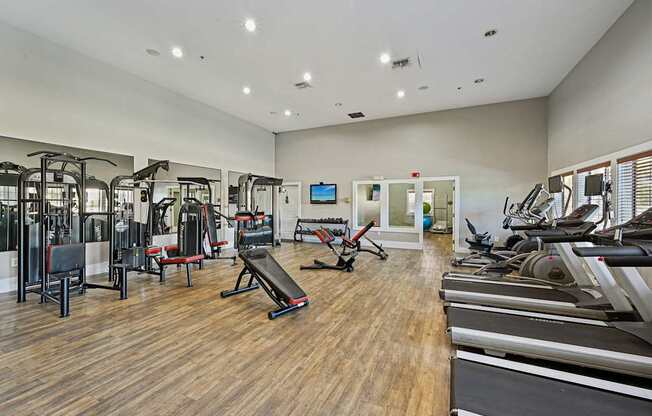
(264, 271)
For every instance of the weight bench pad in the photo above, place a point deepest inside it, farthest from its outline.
(182, 260)
(152, 251)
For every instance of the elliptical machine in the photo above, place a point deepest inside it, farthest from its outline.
(544, 264)
(533, 210)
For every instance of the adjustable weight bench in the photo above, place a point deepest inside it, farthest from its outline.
(264, 271)
(354, 242)
(345, 258)
(173, 258)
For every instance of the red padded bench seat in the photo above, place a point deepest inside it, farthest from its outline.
(298, 301)
(182, 260)
(152, 251)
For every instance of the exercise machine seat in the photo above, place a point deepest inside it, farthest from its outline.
(153, 251)
(182, 260)
(219, 243)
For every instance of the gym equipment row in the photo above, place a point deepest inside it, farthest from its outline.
(540, 348)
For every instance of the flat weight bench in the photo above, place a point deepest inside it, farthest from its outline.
(173, 259)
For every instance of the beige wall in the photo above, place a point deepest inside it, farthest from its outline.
(495, 149)
(605, 103)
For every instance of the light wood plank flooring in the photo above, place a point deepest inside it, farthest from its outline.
(371, 343)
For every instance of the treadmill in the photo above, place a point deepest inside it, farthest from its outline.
(605, 302)
(619, 347)
(488, 386)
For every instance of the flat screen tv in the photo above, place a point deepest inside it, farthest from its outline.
(555, 184)
(593, 185)
(323, 193)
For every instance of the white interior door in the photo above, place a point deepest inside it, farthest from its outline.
(290, 207)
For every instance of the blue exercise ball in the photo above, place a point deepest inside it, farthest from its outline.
(427, 222)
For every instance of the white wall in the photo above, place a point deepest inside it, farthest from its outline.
(495, 149)
(604, 104)
(53, 94)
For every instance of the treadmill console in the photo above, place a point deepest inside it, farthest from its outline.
(581, 213)
(639, 227)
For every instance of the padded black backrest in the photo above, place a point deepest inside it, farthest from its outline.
(267, 268)
(471, 226)
(210, 223)
(66, 258)
(189, 229)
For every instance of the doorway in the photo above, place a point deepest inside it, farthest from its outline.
(441, 202)
(289, 204)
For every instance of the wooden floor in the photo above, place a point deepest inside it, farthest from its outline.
(371, 343)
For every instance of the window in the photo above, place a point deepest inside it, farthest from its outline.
(428, 196)
(634, 186)
(560, 198)
(603, 168)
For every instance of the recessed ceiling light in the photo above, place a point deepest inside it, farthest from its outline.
(307, 77)
(400, 93)
(246, 90)
(287, 113)
(250, 25)
(385, 58)
(479, 81)
(423, 88)
(490, 33)
(177, 52)
(152, 52)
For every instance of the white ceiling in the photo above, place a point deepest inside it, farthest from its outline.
(338, 41)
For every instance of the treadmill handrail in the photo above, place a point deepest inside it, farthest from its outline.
(629, 261)
(606, 251)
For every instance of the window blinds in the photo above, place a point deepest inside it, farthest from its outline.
(634, 186)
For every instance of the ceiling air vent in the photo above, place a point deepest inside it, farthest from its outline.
(401, 63)
(356, 115)
(302, 85)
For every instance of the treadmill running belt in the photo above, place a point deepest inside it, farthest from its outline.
(262, 263)
(601, 337)
(488, 391)
(508, 290)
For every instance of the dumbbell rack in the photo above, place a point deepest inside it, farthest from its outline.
(305, 226)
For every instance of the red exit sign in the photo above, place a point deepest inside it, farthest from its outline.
(415, 174)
